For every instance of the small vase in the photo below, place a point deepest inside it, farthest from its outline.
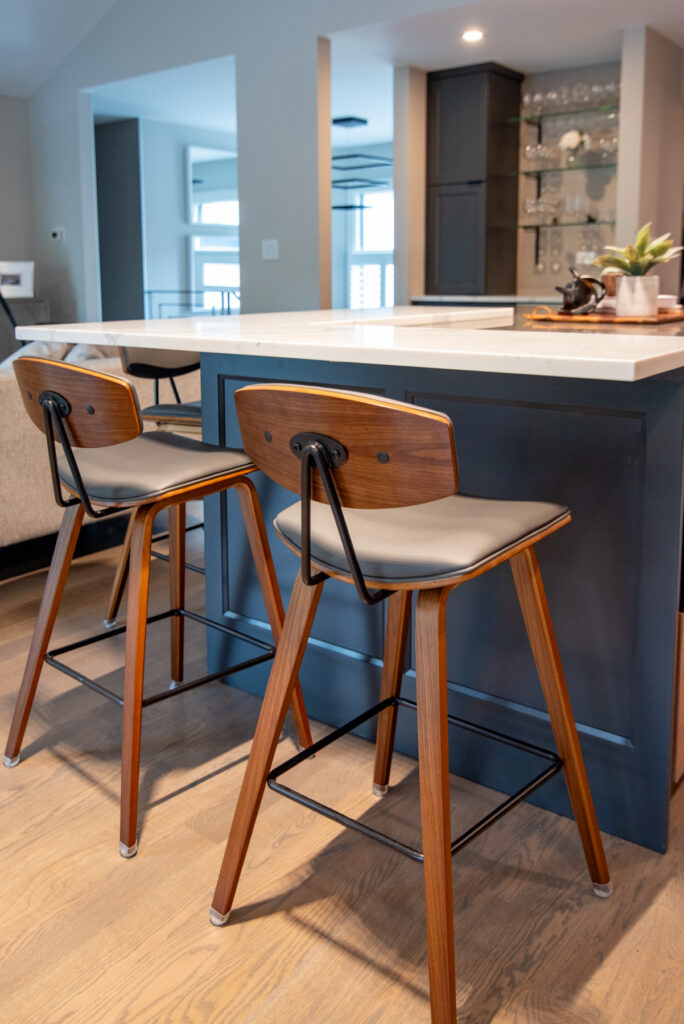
(637, 296)
(610, 284)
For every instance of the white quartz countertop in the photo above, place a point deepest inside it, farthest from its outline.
(449, 339)
(487, 300)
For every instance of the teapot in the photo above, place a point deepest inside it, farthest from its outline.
(582, 294)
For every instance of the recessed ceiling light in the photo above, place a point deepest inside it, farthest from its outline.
(473, 35)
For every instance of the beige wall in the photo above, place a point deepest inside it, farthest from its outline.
(410, 126)
(651, 160)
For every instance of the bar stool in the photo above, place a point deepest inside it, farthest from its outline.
(185, 417)
(119, 467)
(165, 364)
(379, 508)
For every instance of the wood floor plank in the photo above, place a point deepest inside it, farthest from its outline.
(328, 927)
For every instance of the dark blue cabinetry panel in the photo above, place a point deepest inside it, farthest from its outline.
(613, 453)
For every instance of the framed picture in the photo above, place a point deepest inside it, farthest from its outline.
(16, 279)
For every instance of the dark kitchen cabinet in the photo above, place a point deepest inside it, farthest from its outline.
(472, 185)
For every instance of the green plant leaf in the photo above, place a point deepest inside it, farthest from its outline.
(641, 242)
(670, 254)
(636, 260)
(657, 242)
(657, 251)
(615, 262)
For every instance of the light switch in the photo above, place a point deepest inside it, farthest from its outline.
(269, 248)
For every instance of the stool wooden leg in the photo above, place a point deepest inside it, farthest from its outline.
(433, 766)
(396, 633)
(289, 653)
(136, 633)
(263, 560)
(120, 577)
(47, 613)
(539, 626)
(176, 515)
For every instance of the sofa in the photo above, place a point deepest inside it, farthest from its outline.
(27, 506)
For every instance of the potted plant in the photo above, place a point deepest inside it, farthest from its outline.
(637, 295)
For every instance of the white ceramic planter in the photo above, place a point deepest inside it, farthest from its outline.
(637, 296)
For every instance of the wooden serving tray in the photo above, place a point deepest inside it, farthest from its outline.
(666, 316)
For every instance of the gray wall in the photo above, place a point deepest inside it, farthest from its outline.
(16, 229)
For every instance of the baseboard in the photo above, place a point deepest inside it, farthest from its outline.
(29, 555)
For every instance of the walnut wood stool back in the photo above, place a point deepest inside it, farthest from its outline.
(107, 464)
(183, 417)
(380, 509)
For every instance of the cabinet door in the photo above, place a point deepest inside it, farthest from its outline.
(456, 240)
(457, 128)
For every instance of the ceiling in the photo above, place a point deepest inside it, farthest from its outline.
(202, 95)
(529, 35)
(37, 35)
(361, 85)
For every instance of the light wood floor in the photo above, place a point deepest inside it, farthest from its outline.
(328, 927)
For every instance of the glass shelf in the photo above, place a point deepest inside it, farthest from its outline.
(562, 170)
(570, 224)
(536, 118)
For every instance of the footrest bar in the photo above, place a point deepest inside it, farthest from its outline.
(165, 558)
(188, 565)
(461, 841)
(192, 684)
(342, 819)
(52, 657)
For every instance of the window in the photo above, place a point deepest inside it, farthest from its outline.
(215, 262)
(374, 224)
(371, 261)
(214, 212)
(217, 211)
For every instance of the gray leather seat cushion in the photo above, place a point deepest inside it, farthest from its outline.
(148, 466)
(436, 540)
(175, 410)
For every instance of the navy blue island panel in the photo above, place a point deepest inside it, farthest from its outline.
(612, 452)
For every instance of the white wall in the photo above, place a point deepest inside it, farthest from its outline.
(277, 64)
(16, 230)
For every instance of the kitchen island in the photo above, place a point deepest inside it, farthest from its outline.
(592, 419)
